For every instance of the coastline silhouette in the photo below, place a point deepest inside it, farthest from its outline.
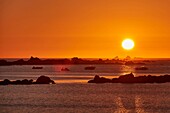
(74, 60)
(130, 78)
(40, 80)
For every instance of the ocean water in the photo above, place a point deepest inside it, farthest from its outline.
(77, 73)
(72, 94)
(85, 98)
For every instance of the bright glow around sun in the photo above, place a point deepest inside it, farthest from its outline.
(128, 44)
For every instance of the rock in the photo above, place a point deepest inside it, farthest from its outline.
(4, 63)
(98, 79)
(40, 80)
(130, 78)
(5, 82)
(25, 81)
(127, 76)
(16, 82)
(44, 80)
(34, 61)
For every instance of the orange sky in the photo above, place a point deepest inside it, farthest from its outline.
(84, 28)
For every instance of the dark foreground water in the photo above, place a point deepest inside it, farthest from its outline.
(72, 94)
(85, 98)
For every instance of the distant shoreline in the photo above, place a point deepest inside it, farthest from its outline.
(27, 58)
(75, 60)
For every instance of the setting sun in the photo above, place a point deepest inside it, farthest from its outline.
(128, 44)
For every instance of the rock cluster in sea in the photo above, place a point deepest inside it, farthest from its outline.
(130, 78)
(74, 60)
(40, 80)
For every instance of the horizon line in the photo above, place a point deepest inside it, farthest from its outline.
(84, 57)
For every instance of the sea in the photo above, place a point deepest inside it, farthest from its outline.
(72, 93)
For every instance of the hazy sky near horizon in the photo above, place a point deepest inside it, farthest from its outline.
(84, 28)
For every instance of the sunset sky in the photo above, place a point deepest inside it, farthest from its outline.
(84, 28)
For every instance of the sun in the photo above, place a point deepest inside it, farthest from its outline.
(128, 44)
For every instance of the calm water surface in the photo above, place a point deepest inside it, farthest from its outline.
(72, 94)
(85, 98)
(77, 73)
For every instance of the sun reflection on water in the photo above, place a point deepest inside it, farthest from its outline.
(121, 107)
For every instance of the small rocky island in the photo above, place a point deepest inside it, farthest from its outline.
(130, 78)
(40, 80)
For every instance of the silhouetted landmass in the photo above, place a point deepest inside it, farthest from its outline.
(130, 78)
(40, 80)
(90, 68)
(37, 67)
(44, 80)
(75, 60)
(4, 63)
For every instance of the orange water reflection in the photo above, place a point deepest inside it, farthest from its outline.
(71, 81)
(136, 102)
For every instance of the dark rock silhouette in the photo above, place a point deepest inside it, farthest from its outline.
(22, 82)
(5, 82)
(98, 79)
(40, 80)
(130, 78)
(4, 63)
(34, 67)
(74, 60)
(34, 60)
(19, 62)
(25, 81)
(90, 68)
(44, 80)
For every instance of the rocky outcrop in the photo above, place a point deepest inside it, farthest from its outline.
(40, 80)
(21, 82)
(98, 79)
(44, 80)
(5, 82)
(130, 78)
